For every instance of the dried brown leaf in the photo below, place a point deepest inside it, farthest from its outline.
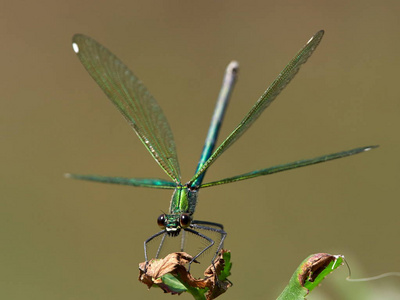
(313, 267)
(174, 264)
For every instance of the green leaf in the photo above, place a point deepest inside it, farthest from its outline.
(173, 283)
(226, 271)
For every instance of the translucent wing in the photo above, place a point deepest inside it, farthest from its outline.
(132, 99)
(265, 100)
(141, 182)
(289, 166)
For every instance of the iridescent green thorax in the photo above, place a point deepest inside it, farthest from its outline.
(183, 200)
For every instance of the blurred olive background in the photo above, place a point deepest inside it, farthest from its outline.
(66, 239)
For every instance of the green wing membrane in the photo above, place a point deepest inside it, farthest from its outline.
(141, 182)
(289, 166)
(265, 100)
(146, 118)
(132, 99)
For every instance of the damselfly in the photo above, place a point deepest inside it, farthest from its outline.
(146, 118)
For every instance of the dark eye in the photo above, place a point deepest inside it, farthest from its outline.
(184, 220)
(161, 221)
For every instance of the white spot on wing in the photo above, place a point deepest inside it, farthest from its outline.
(232, 67)
(75, 47)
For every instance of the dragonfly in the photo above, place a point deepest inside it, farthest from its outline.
(146, 118)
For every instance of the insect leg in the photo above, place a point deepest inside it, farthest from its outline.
(221, 231)
(145, 246)
(183, 241)
(161, 244)
(211, 241)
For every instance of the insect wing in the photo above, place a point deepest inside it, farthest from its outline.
(265, 100)
(132, 99)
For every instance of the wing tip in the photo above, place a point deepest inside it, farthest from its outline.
(79, 39)
(76, 39)
(318, 36)
(368, 148)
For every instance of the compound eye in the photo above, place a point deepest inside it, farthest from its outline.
(161, 221)
(185, 220)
